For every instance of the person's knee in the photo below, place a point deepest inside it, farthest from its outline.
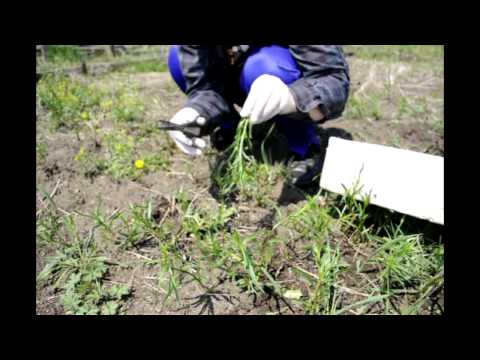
(272, 60)
(174, 67)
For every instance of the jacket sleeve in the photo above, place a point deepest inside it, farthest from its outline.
(202, 77)
(325, 82)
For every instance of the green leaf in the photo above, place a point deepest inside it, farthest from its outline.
(71, 301)
(109, 308)
(73, 281)
(119, 291)
(45, 273)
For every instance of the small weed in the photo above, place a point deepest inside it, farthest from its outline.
(126, 105)
(80, 271)
(312, 220)
(352, 211)
(249, 262)
(438, 126)
(157, 161)
(146, 66)
(358, 108)
(120, 158)
(249, 278)
(120, 155)
(67, 99)
(329, 265)
(90, 163)
(64, 55)
(237, 172)
(42, 151)
(103, 221)
(413, 108)
(139, 226)
(48, 226)
(403, 261)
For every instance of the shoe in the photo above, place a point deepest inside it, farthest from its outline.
(305, 173)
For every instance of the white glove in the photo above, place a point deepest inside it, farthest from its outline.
(269, 96)
(190, 146)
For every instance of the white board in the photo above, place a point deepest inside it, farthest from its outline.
(401, 180)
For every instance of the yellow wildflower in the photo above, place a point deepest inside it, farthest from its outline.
(139, 164)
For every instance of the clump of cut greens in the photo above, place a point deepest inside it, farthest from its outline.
(237, 172)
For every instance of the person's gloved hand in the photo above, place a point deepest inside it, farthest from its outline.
(190, 146)
(269, 96)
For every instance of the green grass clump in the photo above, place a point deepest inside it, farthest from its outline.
(41, 151)
(119, 158)
(248, 266)
(90, 164)
(322, 296)
(126, 105)
(64, 54)
(237, 172)
(79, 271)
(48, 226)
(403, 261)
(351, 210)
(146, 66)
(68, 101)
(312, 220)
(364, 108)
(139, 226)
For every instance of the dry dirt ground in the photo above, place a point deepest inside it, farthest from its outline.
(398, 104)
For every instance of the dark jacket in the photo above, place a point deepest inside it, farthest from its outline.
(210, 79)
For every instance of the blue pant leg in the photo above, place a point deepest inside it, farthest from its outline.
(278, 61)
(175, 69)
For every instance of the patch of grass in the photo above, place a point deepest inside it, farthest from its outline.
(41, 151)
(398, 53)
(413, 108)
(237, 171)
(438, 126)
(139, 226)
(126, 105)
(90, 163)
(312, 221)
(48, 226)
(79, 271)
(403, 261)
(249, 264)
(406, 265)
(146, 66)
(322, 299)
(67, 100)
(251, 279)
(103, 221)
(64, 54)
(351, 210)
(157, 161)
(364, 108)
(119, 157)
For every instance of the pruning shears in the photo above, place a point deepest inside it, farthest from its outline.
(191, 129)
